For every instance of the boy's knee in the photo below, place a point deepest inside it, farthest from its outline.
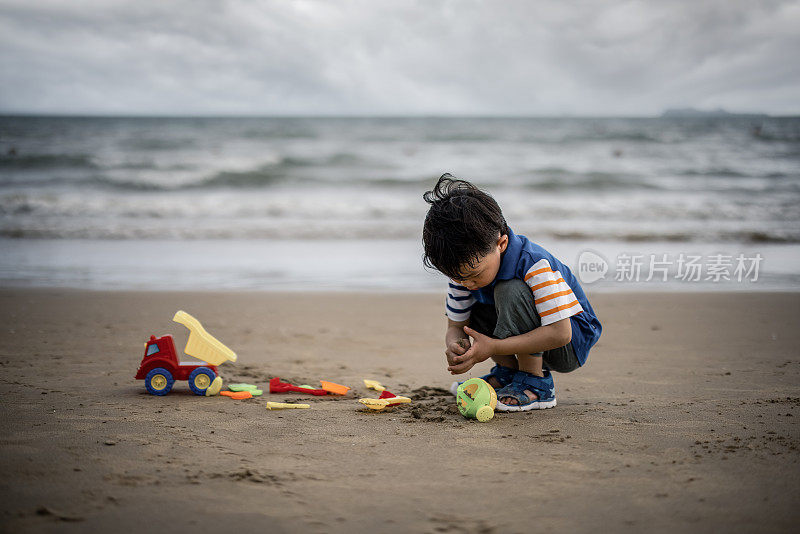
(516, 313)
(510, 290)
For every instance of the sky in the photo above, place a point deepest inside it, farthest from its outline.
(374, 57)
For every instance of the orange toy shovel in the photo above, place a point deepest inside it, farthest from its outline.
(336, 389)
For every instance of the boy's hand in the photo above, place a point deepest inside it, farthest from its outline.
(482, 349)
(456, 348)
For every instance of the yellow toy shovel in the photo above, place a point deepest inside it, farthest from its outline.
(380, 404)
(285, 406)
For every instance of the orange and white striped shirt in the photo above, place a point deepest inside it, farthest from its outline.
(553, 298)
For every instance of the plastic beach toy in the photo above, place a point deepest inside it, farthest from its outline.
(393, 399)
(242, 387)
(373, 384)
(374, 404)
(214, 388)
(380, 404)
(476, 399)
(386, 400)
(160, 367)
(201, 344)
(335, 389)
(285, 406)
(238, 395)
(276, 386)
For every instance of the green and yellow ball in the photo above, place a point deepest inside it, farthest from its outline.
(476, 399)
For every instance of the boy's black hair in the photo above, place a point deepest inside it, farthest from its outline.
(462, 225)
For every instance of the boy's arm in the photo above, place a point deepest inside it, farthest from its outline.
(484, 347)
(455, 339)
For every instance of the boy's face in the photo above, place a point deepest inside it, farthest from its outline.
(485, 269)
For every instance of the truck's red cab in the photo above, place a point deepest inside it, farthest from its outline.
(160, 352)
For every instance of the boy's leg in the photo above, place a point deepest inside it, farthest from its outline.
(516, 314)
(483, 319)
(506, 360)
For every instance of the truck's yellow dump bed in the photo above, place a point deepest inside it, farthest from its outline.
(201, 344)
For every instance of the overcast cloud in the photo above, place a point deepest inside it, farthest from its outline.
(398, 57)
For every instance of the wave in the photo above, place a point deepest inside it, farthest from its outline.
(355, 213)
(546, 138)
(728, 172)
(89, 182)
(743, 236)
(767, 137)
(149, 165)
(714, 171)
(631, 137)
(262, 177)
(333, 160)
(461, 137)
(547, 180)
(349, 230)
(148, 144)
(47, 161)
(162, 178)
(559, 179)
(285, 133)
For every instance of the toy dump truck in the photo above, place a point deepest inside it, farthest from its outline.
(160, 367)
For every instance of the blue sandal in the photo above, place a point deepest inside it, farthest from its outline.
(543, 386)
(503, 375)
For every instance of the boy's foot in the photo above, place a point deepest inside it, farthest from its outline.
(498, 377)
(527, 392)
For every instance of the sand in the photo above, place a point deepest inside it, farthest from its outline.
(685, 419)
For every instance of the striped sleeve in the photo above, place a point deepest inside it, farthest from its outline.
(459, 302)
(552, 296)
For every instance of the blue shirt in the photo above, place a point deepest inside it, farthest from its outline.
(555, 291)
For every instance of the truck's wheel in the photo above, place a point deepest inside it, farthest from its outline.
(200, 379)
(158, 381)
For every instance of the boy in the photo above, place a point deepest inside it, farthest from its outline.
(521, 306)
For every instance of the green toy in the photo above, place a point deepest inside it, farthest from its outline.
(242, 387)
(476, 399)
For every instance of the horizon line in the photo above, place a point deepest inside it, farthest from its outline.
(384, 116)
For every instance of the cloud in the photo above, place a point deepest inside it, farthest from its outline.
(397, 57)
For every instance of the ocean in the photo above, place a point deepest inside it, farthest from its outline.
(336, 203)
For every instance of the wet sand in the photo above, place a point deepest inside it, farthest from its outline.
(684, 419)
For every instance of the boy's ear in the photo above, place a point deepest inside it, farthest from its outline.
(502, 243)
